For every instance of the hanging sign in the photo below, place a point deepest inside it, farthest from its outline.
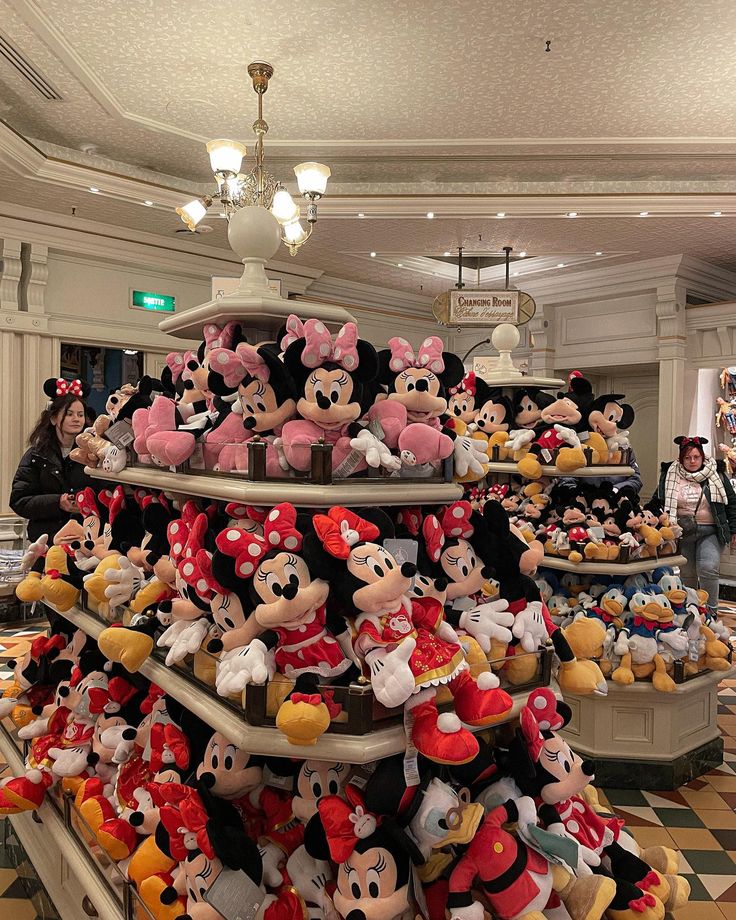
(482, 308)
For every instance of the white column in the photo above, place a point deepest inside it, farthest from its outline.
(541, 331)
(671, 344)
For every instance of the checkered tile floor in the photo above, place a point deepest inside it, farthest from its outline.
(699, 819)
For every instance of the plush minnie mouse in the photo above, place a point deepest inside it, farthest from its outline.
(373, 856)
(407, 646)
(285, 601)
(418, 381)
(266, 401)
(334, 378)
(545, 768)
(464, 402)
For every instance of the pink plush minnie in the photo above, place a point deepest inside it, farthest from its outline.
(333, 378)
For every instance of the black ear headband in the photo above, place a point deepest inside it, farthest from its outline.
(684, 441)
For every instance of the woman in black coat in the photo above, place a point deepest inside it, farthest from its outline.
(46, 480)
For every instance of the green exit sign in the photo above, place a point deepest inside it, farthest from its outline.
(149, 300)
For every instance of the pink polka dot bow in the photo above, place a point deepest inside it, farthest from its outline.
(429, 354)
(320, 346)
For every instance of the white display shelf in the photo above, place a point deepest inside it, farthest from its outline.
(358, 749)
(356, 492)
(609, 568)
(544, 383)
(62, 863)
(509, 467)
(265, 312)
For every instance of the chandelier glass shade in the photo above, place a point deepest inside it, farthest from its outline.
(237, 189)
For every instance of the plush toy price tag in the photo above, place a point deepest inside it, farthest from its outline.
(277, 782)
(411, 766)
(235, 895)
(402, 549)
(120, 434)
(348, 465)
(693, 650)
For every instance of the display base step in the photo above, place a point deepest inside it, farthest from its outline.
(656, 775)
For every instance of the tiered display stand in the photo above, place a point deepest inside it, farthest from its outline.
(635, 734)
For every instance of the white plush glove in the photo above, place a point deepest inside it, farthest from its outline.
(473, 911)
(568, 435)
(252, 664)
(69, 761)
(447, 633)
(115, 459)
(623, 643)
(34, 552)
(675, 639)
(519, 438)
(278, 444)
(125, 581)
(376, 453)
(488, 621)
(620, 441)
(527, 811)
(529, 627)
(628, 539)
(586, 856)
(391, 677)
(272, 857)
(470, 455)
(182, 638)
(609, 643)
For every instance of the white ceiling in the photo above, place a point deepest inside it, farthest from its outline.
(452, 101)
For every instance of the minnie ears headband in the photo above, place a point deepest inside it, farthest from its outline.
(58, 386)
(683, 441)
(320, 346)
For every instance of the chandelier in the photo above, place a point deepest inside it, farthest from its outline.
(236, 189)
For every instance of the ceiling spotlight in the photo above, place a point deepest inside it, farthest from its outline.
(399, 264)
(129, 351)
(373, 255)
(446, 253)
(599, 253)
(522, 254)
(430, 215)
(500, 214)
(95, 191)
(361, 214)
(717, 213)
(560, 264)
(148, 204)
(514, 274)
(643, 213)
(572, 213)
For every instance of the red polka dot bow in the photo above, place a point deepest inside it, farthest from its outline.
(169, 745)
(68, 387)
(453, 522)
(345, 822)
(248, 549)
(185, 820)
(540, 714)
(466, 385)
(428, 356)
(340, 529)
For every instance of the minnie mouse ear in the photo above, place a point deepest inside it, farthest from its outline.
(49, 387)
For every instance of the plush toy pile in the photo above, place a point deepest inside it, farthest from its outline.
(638, 628)
(516, 829)
(401, 411)
(585, 523)
(317, 600)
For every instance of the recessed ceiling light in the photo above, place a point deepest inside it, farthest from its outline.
(513, 274)
(129, 351)
(430, 214)
(560, 264)
(643, 213)
(447, 253)
(148, 204)
(400, 264)
(500, 214)
(373, 255)
(522, 254)
(95, 191)
(717, 213)
(361, 214)
(572, 213)
(599, 253)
